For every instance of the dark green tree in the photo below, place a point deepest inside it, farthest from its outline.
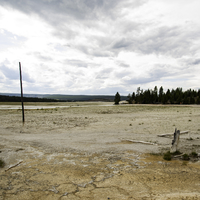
(130, 99)
(147, 97)
(168, 94)
(160, 94)
(117, 98)
(133, 95)
(137, 98)
(155, 94)
(192, 100)
(198, 93)
(186, 100)
(198, 100)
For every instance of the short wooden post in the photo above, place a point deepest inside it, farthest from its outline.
(23, 119)
(175, 141)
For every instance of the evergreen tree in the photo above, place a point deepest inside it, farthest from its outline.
(192, 100)
(160, 94)
(176, 96)
(130, 99)
(155, 94)
(133, 96)
(137, 98)
(117, 98)
(198, 100)
(186, 100)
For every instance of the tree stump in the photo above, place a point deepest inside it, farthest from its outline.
(175, 141)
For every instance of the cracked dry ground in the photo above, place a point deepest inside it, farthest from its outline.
(108, 175)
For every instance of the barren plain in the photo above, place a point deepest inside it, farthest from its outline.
(80, 151)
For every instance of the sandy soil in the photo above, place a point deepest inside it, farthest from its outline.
(79, 152)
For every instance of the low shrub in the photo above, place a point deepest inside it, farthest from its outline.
(167, 156)
(2, 163)
(194, 154)
(176, 153)
(186, 157)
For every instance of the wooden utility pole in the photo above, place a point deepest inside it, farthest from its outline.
(20, 71)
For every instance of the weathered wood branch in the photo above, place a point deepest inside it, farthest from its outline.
(12, 166)
(171, 134)
(136, 141)
(178, 155)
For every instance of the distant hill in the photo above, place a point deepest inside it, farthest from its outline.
(5, 98)
(60, 97)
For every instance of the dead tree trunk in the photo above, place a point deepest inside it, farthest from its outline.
(175, 141)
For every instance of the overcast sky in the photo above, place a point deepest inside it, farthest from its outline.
(99, 46)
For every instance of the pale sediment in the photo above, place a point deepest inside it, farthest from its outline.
(78, 153)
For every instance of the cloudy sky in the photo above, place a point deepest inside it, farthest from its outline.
(99, 46)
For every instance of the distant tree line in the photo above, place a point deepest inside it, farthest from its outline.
(158, 96)
(4, 98)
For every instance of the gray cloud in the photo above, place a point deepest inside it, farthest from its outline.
(9, 73)
(76, 63)
(104, 74)
(13, 74)
(9, 39)
(1, 78)
(104, 31)
(124, 65)
(42, 57)
(122, 43)
(108, 90)
(78, 9)
(173, 41)
(157, 73)
(66, 16)
(195, 61)
(161, 71)
(124, 35)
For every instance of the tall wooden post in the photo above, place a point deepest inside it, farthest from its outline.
(20, 71)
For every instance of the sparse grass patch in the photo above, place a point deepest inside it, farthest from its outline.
(184, 163)
(2, 163)
(194, 154)
(185, 156)
(156, 154)
(176, 153)
(167, 156)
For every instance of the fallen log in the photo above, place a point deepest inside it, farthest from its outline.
(12, 166)
(136, 141)
(171, 134)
